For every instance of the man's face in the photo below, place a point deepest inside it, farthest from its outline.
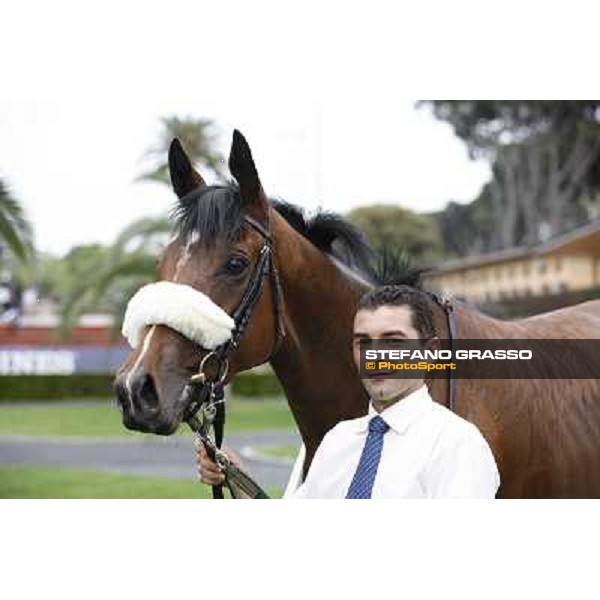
(385, 323)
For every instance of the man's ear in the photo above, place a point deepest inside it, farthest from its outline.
(433, 343)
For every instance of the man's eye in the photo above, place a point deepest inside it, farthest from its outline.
(398, 342)
(236, 265)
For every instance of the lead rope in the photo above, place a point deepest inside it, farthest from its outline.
(207, 416)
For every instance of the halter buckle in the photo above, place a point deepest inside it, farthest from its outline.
(200, 377)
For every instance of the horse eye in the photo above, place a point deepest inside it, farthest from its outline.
(236, 265)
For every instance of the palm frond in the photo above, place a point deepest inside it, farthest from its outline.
(15, 229)
(139, 234)
(140, 267)
(200, 140)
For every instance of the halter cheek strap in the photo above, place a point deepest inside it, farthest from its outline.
(241, 315)
(445, 303)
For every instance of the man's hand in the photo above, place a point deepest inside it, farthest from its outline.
(208, 470)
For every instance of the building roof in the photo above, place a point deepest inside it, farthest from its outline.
(583, 240)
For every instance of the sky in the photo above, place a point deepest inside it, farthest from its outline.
(326, 101)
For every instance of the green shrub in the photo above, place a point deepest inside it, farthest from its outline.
(55, 387)
(63, 387)
(256, 384)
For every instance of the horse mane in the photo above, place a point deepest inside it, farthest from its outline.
(332, 234)
(394, 267)
(218, 210)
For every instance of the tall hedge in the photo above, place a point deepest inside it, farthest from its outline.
(63, 387)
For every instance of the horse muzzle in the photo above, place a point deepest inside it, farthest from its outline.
(140, 406)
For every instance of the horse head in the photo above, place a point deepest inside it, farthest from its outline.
(205, 273)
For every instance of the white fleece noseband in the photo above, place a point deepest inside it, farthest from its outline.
(180, 307)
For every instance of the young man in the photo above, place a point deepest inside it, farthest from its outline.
(407, 446)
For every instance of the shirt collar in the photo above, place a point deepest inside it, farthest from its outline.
(400, 415)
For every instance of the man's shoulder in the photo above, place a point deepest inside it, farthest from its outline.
(345, 427)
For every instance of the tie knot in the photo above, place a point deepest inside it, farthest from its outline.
(378, 425)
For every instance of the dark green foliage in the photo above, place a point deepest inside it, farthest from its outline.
(392, 226)
(55, 387)
(198, 137)
(545, 161)
(15, 231)
(82, 386)
(256, 385)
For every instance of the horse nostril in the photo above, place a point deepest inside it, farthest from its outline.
(147, 392)
(121, 393)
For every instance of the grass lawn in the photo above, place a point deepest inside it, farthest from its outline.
(102, 418)
(285, 451)
(19, 482)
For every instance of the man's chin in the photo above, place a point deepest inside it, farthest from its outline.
(381, 390)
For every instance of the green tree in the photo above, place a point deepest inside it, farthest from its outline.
(545, 159)
(392, 226)
(130, 262)
(104, 278)
(16, 234)
(199, 139)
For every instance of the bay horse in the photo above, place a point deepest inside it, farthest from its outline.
(545, 434)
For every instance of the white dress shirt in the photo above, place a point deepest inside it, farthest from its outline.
(428, 452)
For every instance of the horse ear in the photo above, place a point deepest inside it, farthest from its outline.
(183, 175)
(241, 165)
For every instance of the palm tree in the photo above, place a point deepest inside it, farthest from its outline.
(198, 137)
(15, 230)
(131, 263)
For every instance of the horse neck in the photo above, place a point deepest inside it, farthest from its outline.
(314, 362)
(474, 402)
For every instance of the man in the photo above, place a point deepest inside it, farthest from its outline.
(407, 446)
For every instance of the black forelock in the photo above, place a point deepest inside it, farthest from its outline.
(211, 212)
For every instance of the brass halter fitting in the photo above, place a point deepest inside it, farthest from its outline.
(223, 367)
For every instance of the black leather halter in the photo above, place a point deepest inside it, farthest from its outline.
(207, 395)
(241, 315)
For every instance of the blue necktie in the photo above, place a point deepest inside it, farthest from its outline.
(364, 477)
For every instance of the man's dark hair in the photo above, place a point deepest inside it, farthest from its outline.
(403, 295)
